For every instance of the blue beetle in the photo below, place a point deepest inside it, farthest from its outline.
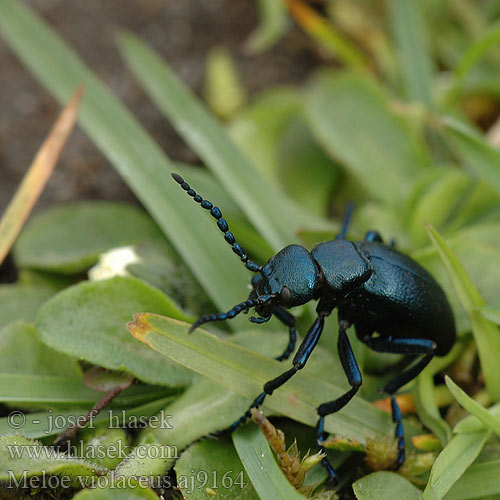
(394, 304)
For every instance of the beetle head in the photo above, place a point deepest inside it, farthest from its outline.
(290, 278)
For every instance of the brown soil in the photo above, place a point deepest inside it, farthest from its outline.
(183, 31)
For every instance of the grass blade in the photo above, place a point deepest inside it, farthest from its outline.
(273, 24)
(37, 175)
(486, 334)
(323, 32)
(478, 481)
(492, 422)
(129, 148)
(408, 25)
(476, 153)
(259, 462)
(452, 462)
(234, 367)
(204, 134)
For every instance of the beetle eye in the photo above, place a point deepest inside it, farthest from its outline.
(285, 295)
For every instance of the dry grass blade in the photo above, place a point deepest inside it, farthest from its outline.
(37, 175)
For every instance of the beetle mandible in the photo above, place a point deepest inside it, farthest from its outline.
(393, 303)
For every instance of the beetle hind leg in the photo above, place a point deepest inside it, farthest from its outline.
(353, 375)
(402, 346)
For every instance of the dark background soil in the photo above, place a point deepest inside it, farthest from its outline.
(183, 31)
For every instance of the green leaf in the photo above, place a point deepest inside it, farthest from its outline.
(69, 239)
(213, 465)
(140, 161)
(453, 461)
(351, 118)
(223, 90)
(22, 352)
(472, 424)
(306, 172)
(261, 467)
(486, 334)
(204, 134)
(49, 423)
(234, 367)
(47, 391)
(474, 53)
(88, 320)
(21, 456)
(492, 314)
(385, 485)
(427, 409)
(258, 128)
(407, 19)
(492, 422)
(272, 26)
(478, 481)
(482, 158)
(104, 446)
(117, 493)
(21, 302)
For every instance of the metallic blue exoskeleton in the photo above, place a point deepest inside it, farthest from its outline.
(395, 305)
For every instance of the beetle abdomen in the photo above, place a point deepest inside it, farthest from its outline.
(406, 303)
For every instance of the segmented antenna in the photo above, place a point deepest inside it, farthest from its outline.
(221, 224)
(237, 309)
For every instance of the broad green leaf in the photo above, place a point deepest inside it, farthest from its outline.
(453, 461)
(427, 409)
(105, 447)
(437, 203)
(223, 90)
(116, 493)
(351, 118)
(68, 239)
(205, 407)
(492, 422)
(233, 367)
(407, 20)
(203, 133)
(213, 465)
(88, 320)
(473, 245)
(258, 128)
(22, 352)
(272, 26)
(20, 302)
(385, 485)
(486, 334)
(261, 467)
(307, 174)
(48, 391)
(22, 457)
(478, 481)
(45, 424)
(482, 158)
(140, 162)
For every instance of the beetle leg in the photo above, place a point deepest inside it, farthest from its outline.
(306, 348)
(289, 320)
(346, 222)
(353, 375)
(402, 346)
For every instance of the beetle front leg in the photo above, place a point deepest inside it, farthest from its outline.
(353, 375)
(289, 320)
(402, 346)
(305, 350)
